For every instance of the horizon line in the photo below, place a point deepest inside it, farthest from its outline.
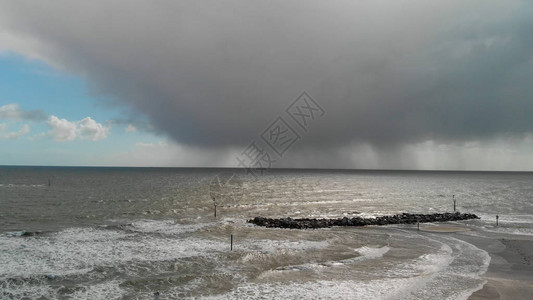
(274, 168)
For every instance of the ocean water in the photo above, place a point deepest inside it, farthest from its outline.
(125, 233)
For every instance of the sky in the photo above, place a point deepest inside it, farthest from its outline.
(432, 85)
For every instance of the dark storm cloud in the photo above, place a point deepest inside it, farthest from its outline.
(216, 73)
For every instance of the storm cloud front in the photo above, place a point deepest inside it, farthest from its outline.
(404, 84)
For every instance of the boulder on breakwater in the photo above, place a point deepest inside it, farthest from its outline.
(404, 218)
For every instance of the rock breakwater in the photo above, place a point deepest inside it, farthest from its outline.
(404, 218)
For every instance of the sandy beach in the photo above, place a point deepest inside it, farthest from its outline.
(510, 273)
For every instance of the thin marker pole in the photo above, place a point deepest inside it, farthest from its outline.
(454, 203)
(231, 247)
(418, 225)
(497, 217)
(215, 205)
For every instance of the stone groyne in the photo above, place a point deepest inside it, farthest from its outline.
(404, 218)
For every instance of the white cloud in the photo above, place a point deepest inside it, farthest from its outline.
(86, 129)
(90, 130)
(4, 134)
(61, 129)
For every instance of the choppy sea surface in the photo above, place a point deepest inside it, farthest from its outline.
(126, 233)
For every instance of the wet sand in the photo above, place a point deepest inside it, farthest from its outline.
(510, 273)
(499, 288)
(440, 228)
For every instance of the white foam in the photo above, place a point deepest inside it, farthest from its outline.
(453, 272)
(106, 290)
(432, 263)
(79, 250)
(513, 231)
(165, 226)
(262, 250)
(271, 246)
(12, 185)
(15, 233)
(322, 289)
(370, 252)
(25, 290)
(366, 253)
(508, 224)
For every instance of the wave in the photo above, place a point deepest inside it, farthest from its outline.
(451, 271)
(365, 253)
(22, 233)
(80, 250)
(131, 260)
(507, 224)
(13, 185)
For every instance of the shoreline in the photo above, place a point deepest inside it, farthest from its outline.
(510, 272)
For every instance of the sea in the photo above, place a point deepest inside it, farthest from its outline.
(129, 233)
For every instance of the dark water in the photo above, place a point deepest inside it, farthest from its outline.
(124, 233)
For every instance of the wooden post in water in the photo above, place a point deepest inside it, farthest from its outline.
(231, 245)
(418, 225)
(454, 203)
(215, 205)
(497, 219)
